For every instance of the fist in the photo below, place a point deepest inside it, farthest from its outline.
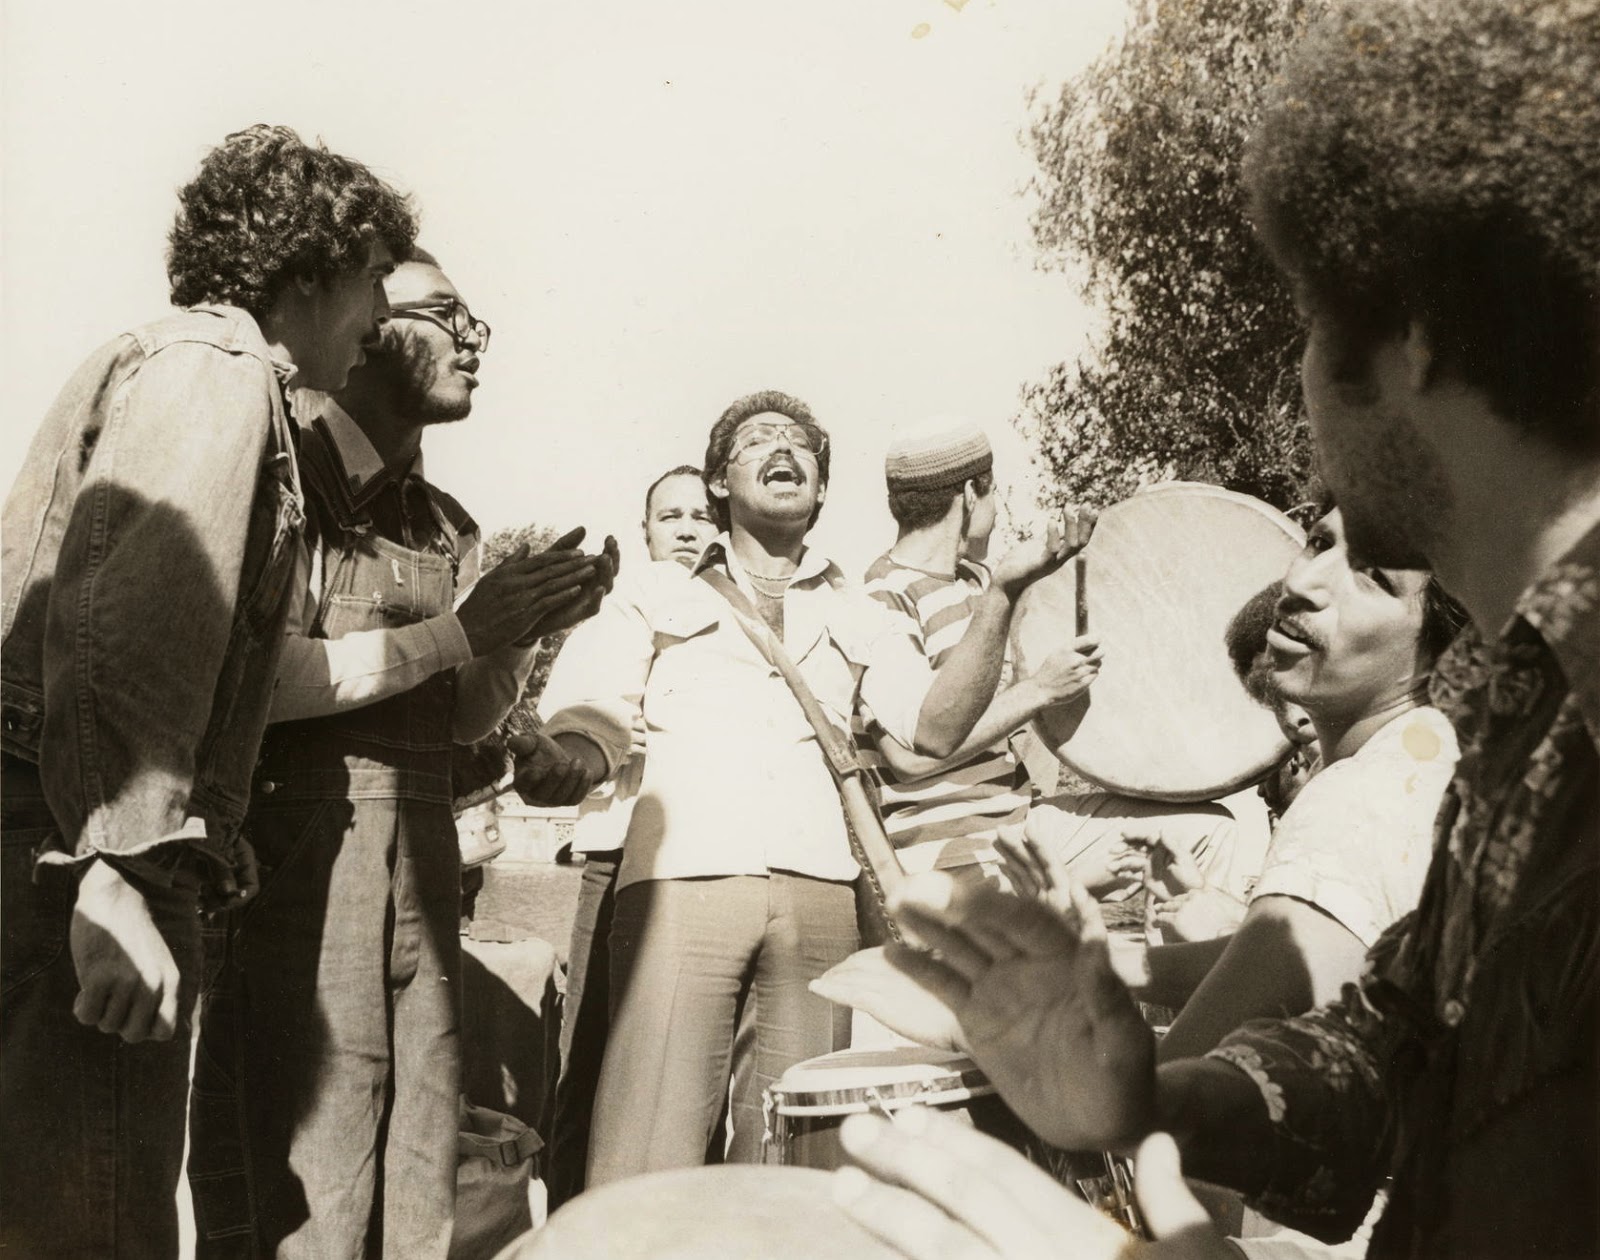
(544, 772)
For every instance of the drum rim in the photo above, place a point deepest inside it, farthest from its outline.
(958, 1086)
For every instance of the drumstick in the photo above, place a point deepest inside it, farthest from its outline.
(1080, 575)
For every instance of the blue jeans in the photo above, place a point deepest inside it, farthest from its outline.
(91, 1128)
(688, 957)
(325, 1102)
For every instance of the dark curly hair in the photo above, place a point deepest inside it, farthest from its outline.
(1439, 161)
(266, 206)
(720, 443)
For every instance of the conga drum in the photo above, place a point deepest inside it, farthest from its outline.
(727, 1212)
(1167, 718)
(806, 1105)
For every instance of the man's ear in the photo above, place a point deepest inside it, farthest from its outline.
(718, 486)
(822, 493)
(305, 283)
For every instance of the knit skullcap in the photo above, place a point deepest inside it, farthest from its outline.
(940, 452)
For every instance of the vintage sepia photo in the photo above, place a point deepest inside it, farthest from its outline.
(923, 629)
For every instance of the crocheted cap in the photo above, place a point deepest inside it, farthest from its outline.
(943, 451)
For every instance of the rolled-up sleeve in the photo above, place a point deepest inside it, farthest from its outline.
(897, 676)
(143, 600)
(596, 686)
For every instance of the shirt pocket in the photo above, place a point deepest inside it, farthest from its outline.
(685, 619)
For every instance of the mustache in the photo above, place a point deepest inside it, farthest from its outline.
(780, 459)
(1295, 628)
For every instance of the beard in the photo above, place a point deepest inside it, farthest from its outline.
(424, 388)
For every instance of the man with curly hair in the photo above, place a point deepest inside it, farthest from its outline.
(1428, 180)
(148, 543)
(332, 1033)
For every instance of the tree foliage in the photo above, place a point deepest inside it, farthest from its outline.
(1195, 375)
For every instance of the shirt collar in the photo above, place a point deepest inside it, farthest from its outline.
(360, 465)
(248, 332)
(1563, 608)
(719, 551)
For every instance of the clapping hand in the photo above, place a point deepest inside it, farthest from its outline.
(1167, 870)
(597, 584)
(513, 600)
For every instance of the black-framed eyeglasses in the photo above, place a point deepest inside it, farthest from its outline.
(758, 439)
(451, 314)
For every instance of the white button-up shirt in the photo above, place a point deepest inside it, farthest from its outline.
(734, 781)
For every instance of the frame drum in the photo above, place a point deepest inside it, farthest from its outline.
(1166, 570)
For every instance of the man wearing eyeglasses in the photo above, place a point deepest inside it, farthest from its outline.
(331, 1037)
(736, 886)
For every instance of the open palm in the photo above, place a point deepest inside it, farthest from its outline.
(1039, 1004)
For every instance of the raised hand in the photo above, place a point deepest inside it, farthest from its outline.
(1029, 561)
(1040, 1006)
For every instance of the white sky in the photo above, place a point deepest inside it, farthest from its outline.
(658, 206)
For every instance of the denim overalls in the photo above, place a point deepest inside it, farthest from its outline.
(332, 1036)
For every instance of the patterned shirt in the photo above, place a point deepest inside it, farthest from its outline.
(950, 818)
(1464, 1062)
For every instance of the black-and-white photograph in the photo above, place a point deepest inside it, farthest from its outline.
(735, 631)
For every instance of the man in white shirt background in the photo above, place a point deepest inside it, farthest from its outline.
(677, 526)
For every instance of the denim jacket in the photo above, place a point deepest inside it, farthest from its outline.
(148, 546)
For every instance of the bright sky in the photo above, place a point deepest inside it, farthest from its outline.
(658, 206)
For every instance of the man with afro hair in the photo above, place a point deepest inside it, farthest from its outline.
(148, 542)
(1427, 179)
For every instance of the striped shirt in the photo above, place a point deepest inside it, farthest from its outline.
(950, 818)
